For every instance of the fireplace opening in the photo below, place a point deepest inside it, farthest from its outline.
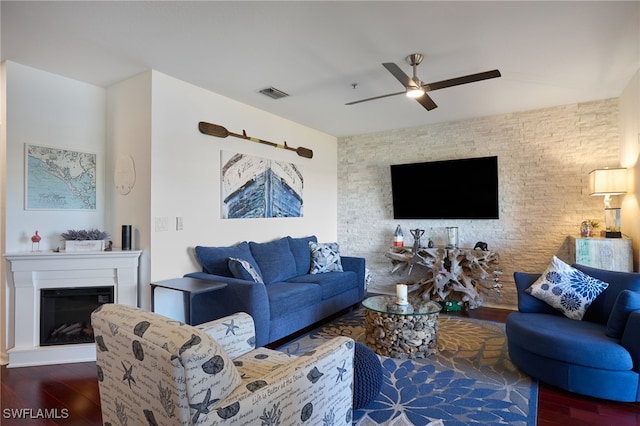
(65, 314)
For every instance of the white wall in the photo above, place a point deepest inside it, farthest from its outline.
(629, 152)
(129, 135)
(153, 118)
(45, 109)
(49, 110)
(3, 189)
(184, 172)
(544, 157)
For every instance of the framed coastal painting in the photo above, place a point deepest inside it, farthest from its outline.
(59, 179)
(254, 187)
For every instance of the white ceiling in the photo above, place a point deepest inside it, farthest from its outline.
(549, 53)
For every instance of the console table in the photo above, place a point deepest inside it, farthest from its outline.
(613, 254)
(450, 275)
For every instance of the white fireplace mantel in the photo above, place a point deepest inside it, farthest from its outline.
(30, 272)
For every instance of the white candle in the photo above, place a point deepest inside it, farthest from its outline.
(401, 293)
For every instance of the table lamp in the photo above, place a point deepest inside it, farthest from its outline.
(609, 182)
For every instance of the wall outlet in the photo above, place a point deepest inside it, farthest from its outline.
(162, 224)
(179, 224)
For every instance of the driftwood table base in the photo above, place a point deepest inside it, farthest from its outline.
(444, 275)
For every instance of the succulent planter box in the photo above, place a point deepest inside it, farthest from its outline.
(83, 245)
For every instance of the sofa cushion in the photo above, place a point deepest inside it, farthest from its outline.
(302, 253)
(567, 289)
(325, 257)
(575, 342)
(214, 260)
(243, 270)
(600, 309)
(626, 302)
(331, 283)
(285, 297)
(275, 260)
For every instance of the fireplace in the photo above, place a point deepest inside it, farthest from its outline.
(65, 313)
(46, 290)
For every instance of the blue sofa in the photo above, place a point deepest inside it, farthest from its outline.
(598, 356)
(275, 286)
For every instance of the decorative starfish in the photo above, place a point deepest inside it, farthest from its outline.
(202, 407)
(341, 371)
(231, 328)
(128, 374)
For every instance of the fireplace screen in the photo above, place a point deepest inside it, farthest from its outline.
(65, 314)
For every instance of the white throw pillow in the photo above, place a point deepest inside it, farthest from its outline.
(325, 257)
(567, 289)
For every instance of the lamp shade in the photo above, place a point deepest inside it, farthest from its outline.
(608, 182)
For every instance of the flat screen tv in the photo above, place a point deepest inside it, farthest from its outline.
(450, 189)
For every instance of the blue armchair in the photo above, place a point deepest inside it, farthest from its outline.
(598, 356)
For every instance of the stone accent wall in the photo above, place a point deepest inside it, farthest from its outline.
(544, 158)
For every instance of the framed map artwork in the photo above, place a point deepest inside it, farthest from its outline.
(59, 179)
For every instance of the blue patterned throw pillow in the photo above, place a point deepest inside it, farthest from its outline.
(325, 257)
(243, 270)
(567, 289)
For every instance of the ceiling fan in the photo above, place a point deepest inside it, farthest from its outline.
(415, 88)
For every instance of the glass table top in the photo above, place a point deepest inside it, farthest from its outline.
(387, 305)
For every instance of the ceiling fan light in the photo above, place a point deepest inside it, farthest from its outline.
(415, 92)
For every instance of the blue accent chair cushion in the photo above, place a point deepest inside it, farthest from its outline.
(601, 307)
(526, 302)
(626, 302)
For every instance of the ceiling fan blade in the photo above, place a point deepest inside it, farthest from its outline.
(399, 74)
(374, 98)
(426, 101)
(461, 80)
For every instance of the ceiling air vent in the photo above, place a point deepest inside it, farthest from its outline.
(274, 93)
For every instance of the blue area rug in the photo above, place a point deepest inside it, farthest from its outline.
(470, 381)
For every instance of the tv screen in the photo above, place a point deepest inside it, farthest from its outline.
(451, 189)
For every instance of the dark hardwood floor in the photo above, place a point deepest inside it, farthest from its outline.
(69, 392)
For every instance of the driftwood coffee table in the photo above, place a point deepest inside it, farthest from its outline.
(396, 331)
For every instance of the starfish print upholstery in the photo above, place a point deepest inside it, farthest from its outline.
(128, 374)
(231, 327)
(341, 371)
(202, 407)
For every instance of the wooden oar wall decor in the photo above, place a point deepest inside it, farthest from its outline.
(221, 132)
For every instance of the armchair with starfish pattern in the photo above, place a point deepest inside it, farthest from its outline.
(153, 370)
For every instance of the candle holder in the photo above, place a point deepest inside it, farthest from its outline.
(452, 237)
